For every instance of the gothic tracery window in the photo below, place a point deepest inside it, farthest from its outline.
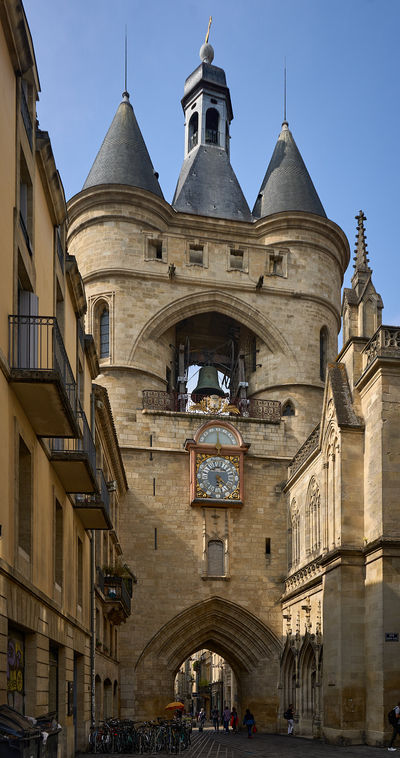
(313, 537)
(295, 526)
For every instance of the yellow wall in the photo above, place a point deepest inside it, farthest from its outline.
(7, 187)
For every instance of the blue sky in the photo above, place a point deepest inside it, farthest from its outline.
(343, 61)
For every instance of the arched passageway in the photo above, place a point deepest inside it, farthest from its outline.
(226, 628)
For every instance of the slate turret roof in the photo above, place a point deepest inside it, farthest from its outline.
(207, 186)
(123, 157)
(287, 185)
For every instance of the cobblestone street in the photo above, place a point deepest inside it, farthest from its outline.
(208, 744)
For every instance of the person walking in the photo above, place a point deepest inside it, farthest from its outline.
(202, 718)
(249, 722)
(234, 720)
(289, 715)
(215, 719)
(394, 720)
(225, 717)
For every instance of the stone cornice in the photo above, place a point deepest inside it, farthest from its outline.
(24, 585)
(304, 578)
(51, 179)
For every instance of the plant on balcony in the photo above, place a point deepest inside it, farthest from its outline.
(105, 649)
(196, 666)
(122, 570)
(98, 642)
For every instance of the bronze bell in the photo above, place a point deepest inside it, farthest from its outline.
(208, 383)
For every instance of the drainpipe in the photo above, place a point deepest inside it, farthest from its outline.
(92, 630)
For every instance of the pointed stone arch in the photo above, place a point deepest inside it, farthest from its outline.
(214, 300)
(288, 675)
(250, 647)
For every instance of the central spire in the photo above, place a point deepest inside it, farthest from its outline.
(207, 184)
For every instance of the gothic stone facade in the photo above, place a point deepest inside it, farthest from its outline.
(179, 607)
(294, 581)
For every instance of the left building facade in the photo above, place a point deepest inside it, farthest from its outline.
(64, 588)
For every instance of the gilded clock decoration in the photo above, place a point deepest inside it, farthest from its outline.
(217, 477)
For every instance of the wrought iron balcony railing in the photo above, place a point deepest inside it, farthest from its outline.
(100, 579)
(81, 451)
(94, 508)
(115, 591)
(83, 444)
(36, 354)
(266, 410)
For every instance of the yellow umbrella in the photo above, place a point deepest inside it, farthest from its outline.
(174, 706)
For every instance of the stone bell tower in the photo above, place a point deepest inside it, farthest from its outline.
(203, 282)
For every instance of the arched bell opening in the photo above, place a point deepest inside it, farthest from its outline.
(212, 126)
(214, 355)
(212, 329)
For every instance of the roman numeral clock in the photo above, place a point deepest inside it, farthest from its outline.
(216, 465)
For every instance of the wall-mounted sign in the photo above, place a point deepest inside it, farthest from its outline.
(391, 636)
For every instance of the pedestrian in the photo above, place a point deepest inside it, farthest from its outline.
(225, 717)
(394, 720)
(202, 718)
(289, 715)
(234, 720)
(249, 722)
(215, 719)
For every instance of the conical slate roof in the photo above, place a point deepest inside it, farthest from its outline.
(287, 185)
(207, 186)
(123, 157)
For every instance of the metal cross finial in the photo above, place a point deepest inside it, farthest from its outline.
(125, 93)
(208, 30)
(284, 93)
(126, 58)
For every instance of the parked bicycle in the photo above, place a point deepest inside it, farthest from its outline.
(125, 736)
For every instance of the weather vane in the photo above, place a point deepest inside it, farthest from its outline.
(208, 30)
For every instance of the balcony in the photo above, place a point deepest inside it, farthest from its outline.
(265, 410)
(118, 600)
(99, 581)
(41, 375)
(94, 510)
(74, 460)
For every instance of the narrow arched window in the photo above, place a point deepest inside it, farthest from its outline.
(193, 130)
(212, 122)
(105, 333)
(215, 558)
(323, 352)
(227, 138)
(288, 408)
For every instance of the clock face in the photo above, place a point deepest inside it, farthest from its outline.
(217, 477)
(217, 435)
